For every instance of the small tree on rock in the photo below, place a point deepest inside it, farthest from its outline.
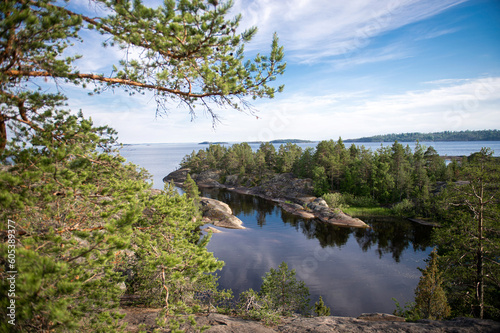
(284, 291)
(320, 308)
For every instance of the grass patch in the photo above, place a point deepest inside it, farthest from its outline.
(368, 211)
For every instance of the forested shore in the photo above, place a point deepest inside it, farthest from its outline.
(389, 176)
(462, 196)
(484, 135)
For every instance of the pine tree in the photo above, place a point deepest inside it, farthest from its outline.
(320, 308)
(74, 204)
(191, 188)
(286, 294)
(471, 255)
(430, 297)
(86, 223)
(186, 51)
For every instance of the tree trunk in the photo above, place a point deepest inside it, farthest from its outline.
(480, 250)
(3, 133)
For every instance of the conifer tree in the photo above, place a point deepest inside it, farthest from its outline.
(286, 294)
(320, 308)
(191, 188)
(430, 297)
(73, 204)
(471, 254)
(183, 51)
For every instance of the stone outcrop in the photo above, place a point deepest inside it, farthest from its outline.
(294, 195)
(212, 229)
(219, 214)
(334, 216)
(209, 178)
(177, 176)
(364, 324)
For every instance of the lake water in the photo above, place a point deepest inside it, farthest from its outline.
(355, 270)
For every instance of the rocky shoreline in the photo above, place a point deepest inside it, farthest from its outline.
(292, 194)
(366, 323)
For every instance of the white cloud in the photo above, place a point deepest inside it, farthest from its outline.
(327, 28)
(448, 105)
(437, 33)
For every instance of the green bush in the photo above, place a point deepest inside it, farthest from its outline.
(409, 311)
(286, 294)
(252, 305)
(403, 208)
(359, 201)
(335, 200)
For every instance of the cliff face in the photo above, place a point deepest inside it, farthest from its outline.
(370, 323)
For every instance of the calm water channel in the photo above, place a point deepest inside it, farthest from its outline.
(354, 270)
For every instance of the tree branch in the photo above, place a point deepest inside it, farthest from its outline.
(127, 82)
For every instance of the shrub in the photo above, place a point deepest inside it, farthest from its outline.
(359, 201)
(403, 208)
(286, 294)
(335, 200)
(254, 306)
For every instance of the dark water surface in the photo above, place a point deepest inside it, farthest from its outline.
(355, 270)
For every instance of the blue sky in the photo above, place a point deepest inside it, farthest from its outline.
(354, 68)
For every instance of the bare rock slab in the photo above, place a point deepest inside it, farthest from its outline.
(220, 214)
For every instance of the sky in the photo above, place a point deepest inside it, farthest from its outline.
(354, 68)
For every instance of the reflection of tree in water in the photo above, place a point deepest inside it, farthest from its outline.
(326, 234)
(389, 236)
(394, 237)
(243, 204)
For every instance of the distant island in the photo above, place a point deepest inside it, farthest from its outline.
(213, 143)
(251, 142)
(483, 135)
(291, 141)
(283, 141)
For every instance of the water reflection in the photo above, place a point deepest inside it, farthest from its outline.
(355, 270)
(392, 236)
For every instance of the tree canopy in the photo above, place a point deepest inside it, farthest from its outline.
(79, 227)
(183, 51)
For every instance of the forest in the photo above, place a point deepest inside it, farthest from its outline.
(462, 196)
(484, 135)
(387, 176)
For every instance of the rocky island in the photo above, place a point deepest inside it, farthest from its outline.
(291, 193)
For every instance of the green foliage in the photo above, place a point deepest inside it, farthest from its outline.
(402, 208)
(170, 261)
(320, 308)
(284, 292)
(86, 223)
(359, 201)
(408, 312)
(74, 204)
(320, 181)
(470, 258)
(255, 306)
(280, 295)
(430, 298)
(485, 135)
(335, 200)
(191, 188)
(185, 51)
